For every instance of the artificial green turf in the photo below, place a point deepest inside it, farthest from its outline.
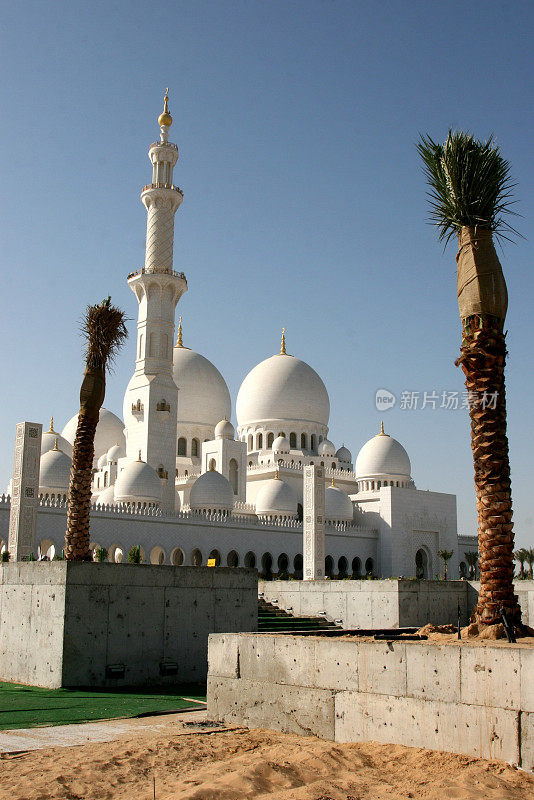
(30, 706)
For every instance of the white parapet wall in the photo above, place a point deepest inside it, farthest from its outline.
(468, 698)
(86, 624)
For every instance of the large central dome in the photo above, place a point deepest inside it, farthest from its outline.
(282, 388)
(203, 396)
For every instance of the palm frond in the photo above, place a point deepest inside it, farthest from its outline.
(470, 184)
(104, 331)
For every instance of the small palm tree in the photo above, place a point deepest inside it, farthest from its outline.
(472, 559)
(104, 330)
(470, 194)
(530, 561)
(521, 556)
(445, 556)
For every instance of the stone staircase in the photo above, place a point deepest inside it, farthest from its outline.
(272, 619)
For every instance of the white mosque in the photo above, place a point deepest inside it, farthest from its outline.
(174, 476)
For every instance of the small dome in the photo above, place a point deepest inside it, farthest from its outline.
(282, 388)
(138, 483)
(54, 471)
(113, 454)
(107, 497)
(326, 448)
(211, 492)
(382, 456)
(276, 499)
(48, 441)
(281, 445)
(344, 454)
(224, 430)
(338, 507)
(101, 463)
(109, 431)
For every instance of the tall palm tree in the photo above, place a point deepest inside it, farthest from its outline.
(471, 558)
(530, 561)
(470, 194)
(445, 556)
(521, 556)
(104, 330)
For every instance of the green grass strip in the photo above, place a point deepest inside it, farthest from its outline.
(31, 706)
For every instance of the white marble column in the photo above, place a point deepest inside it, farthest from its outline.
(25, 491)
(313, 523)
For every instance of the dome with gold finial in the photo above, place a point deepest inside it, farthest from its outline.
(383, 457)
(49, 439)
(165, 118)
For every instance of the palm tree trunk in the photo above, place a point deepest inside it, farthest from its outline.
(77, 534)
(91, 398)
(483, 356)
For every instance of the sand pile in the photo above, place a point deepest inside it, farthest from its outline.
(239, 764)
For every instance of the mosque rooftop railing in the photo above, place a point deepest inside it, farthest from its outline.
(144, 271)
(160, 185)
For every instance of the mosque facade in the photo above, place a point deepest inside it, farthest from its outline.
(174, 476)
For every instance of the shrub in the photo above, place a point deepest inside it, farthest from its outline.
(134, 556)
(5, 556)
(101, 554)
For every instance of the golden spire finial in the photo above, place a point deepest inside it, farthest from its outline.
(382, 432)
(179, 340)
(55, 447)
(165, 118)
(283, 343)
(51, 429)
(333, 482)
(276, 475)
(139, 459)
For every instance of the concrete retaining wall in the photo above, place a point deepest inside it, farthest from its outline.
(64, 623)
(464, 699)
(373, 604)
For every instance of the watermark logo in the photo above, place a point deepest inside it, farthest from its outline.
(384, 399)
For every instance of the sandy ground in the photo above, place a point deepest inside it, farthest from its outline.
(198, 761)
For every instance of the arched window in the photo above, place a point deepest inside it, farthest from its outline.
(196, 558)
(250, 560)
(232, 559)
(212, 464)
(267, 566)
(233, 474)
(283, 564)
(333, 464)
(313, 445)
(270, 440)
(259, 441)
(421, 564)
(293, 440)
(342, 567)
(157, 555)
(217, 556)
(250, 463)
(182, 446)
(299, 512)
(298, 567)
(369, 564)
(329, 566)
(356, 568)
(281, 433)
(195, 448)
(105, 478)
(177, 557)
(303, 441)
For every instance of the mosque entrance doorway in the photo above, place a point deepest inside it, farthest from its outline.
(421, 564)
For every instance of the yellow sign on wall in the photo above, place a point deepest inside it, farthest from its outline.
(211, 562)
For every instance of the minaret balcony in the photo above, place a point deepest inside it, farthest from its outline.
(172, 272)
(169, 186)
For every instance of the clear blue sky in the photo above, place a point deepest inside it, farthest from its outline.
(304, 200)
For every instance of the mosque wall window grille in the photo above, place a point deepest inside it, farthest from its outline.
(212, 465)
(250, 560)
(233, 474)
(293, 440)
(303, 441)
(369, 566)
(333, 464)
(259, 441)
(232, 559)
(313, 444)
(182, 446)
(270, 440)
(195, 446)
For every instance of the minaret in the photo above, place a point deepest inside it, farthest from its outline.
(151, 399)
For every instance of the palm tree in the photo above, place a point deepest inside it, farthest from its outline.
(104, 330)
(445, 555)
(530, 560)
(470, 194)
(521, 556)
(472, 559)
